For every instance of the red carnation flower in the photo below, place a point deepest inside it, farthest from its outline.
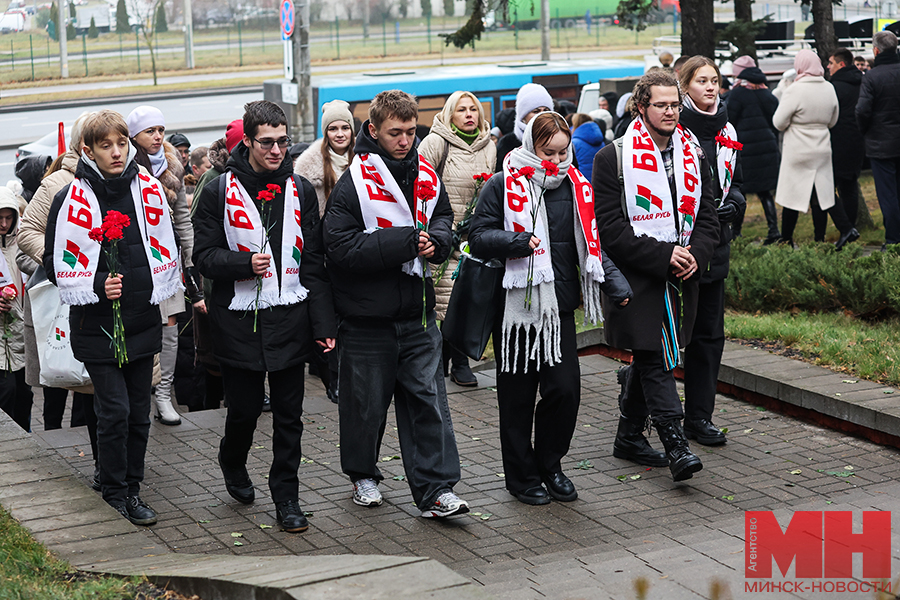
(526, 172)
(425, 191)
(687, 205)
(265, 196)
(274, 188)
(117, 219)
(96, 234)
(9, 292)
(727, 143)
(550, 168)
(479, 177)
(114, 234)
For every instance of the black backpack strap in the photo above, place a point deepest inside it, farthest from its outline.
(440, 165)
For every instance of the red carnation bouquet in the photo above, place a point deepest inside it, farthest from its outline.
(265, 197)
(729, 143)
(8, 293)
(109, 233)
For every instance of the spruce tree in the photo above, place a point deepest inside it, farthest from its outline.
(70, 31)
(426, 8)
(161, 25)
(122, 24)
(53, 24)
(449, 8)
(92, 30)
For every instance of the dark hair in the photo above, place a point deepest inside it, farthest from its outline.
(395, 104)
(690, 68)
(262, 112)
(680, 62)
(859, 58)
(328, 178)
(642, 89)
(197, 155)
(546, 125)
(101, 124)
(844, 56)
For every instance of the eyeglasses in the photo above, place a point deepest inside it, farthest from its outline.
(267, 144)
(664, 107)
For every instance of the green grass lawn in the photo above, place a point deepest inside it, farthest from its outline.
(29, 572)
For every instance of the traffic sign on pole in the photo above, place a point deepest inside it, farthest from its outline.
(287, 19)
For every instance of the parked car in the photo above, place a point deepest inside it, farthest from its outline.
(47, 145)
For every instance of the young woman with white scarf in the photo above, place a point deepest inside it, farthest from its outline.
(147, 126)
(545, 229)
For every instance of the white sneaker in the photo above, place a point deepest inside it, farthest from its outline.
(446, 505)
(366, 493)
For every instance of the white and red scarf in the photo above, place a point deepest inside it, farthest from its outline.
(520, 198)
(245, 232)
(76, 256)
(648, 197)
(727, 147)
(383, 205)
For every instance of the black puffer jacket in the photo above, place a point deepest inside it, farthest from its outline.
(505, 145)
(366, 268)
(488, 239)
(847, 149)
(877, 111)
(706, 128)
(31, 170)
(750, 111)
(142, 321)
(284, 335)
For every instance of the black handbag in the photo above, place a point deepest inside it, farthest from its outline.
(473, 305)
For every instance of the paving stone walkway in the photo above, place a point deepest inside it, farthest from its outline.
(628, 522)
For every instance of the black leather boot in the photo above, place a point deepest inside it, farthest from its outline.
(682, 462)
(460, 373)
(631, 445)
(771, 213)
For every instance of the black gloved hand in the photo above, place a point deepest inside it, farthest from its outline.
(727, 212)
(193, 284)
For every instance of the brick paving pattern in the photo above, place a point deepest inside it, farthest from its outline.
(628, 522)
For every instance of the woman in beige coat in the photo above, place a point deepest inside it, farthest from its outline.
(807, 111)
(458, 147)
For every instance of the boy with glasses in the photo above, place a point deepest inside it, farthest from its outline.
(658, 223)
(257, 236)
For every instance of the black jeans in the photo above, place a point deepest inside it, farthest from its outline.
(886, 173)
(245, 392)
(703, 355)
(122, 405)
(16, 397)
(380, 359)
(553, 419)
(656, 395)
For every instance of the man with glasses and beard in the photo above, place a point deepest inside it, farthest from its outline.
(657, 221)
(258, 238)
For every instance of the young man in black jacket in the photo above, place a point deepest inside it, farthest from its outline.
(847, 146)
(107, 179)
(257, 235)
(387, 218)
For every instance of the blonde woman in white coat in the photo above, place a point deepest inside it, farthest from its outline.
(807, 111)
(328, 157)
(458, 147)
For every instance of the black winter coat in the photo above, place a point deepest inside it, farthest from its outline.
(750, 111)
(877, 112)
(644, 261)
(366, 268)
(142, 321)
(847, 148)
(706, 128)
(284, 335)
(31, 171)
(488, 239)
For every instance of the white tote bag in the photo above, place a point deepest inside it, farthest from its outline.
(51, 329)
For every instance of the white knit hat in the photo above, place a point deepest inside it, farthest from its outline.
(336, 110)
(530, 97)
(144, 117)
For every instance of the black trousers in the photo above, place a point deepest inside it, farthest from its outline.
(820, 219)
(244, 390)
(703, 355)
(380, 359)
(16, 398)
(122, 405)
(552, 417)
(848, 194)
(656, 396)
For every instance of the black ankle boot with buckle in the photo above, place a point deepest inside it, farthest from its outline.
(682, 462)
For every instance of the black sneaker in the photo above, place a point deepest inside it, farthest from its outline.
(290, 517)
(267, 404)
(138, 512)
(94, 481)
